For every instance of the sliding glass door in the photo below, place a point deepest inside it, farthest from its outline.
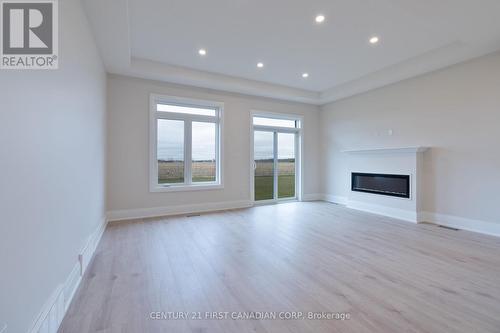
(275, 162)
(286, 165)
(264, 165)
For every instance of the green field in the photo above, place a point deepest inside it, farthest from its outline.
(264, 172)
(181, 180)
(264, 187)
(172, 172)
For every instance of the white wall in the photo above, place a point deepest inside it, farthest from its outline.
(128, 144)
(456, 111)
(52, 186)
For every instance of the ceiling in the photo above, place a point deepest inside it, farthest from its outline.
(160, 39)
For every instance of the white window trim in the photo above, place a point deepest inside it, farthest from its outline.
(299, 149)
(153, 160)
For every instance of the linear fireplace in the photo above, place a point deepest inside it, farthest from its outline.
(384, 184)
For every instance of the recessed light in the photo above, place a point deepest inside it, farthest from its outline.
(260, 65)
(374, 40)
(202, 52)
(305, 75)
(320, 18)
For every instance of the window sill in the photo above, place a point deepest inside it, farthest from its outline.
(185, 188)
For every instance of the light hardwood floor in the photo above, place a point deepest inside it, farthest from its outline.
(389, 275)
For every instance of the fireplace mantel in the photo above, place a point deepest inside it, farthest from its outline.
(404, 161)
(387, 150)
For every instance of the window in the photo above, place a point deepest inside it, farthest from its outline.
(185, 145)
(264, 121)
(170, 151)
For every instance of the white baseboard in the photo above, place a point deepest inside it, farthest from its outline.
(89, 249)
(52, 313)
(312, 197)
(341, 200)
(372, 208)
(71, 284)
(54, 309)
(401, 214)
(129, 214)
(483, 227)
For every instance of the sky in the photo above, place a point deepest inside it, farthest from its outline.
(171, 138)
(263, 145)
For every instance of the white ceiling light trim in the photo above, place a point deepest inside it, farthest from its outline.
(320, 18)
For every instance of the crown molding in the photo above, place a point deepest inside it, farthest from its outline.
(147, 69)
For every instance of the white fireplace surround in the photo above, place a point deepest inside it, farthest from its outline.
(387, 150)
(404, 161)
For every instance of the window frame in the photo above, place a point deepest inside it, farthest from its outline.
(188, 119)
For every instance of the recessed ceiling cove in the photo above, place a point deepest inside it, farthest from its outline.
(414, 37)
